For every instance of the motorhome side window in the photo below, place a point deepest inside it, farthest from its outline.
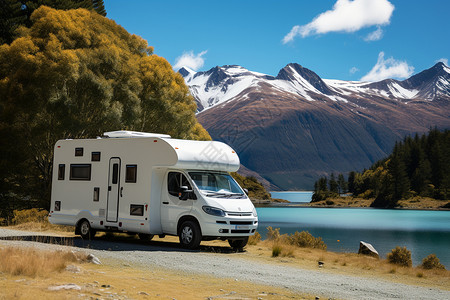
(174, 181)
(61, 171)
(95, 156)
(131, 173)
(80, 172)
(78, 151)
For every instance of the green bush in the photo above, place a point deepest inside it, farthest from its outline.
(306, 240)
(254, 239)
(432, 262)
(400, 256)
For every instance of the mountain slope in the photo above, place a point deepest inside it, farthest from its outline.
(296, 126)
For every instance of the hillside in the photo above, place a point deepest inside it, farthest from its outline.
(295, 127)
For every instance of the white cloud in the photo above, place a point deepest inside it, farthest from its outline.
(443, 60)
(347, 16)
(375, 35)
(190, 60)
(353, 70)
(389, 68)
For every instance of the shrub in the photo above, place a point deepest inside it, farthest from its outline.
(30, 215)
(329, 202)
(432, 262)
(306, 240)
(276, 250)
(400, 256)
(254, 239)
(273, 234)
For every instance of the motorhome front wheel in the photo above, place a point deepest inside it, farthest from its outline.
(190, 236)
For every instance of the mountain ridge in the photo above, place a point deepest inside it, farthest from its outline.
(296, 126)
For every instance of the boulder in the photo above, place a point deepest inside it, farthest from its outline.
(93, 259)
(367, 249)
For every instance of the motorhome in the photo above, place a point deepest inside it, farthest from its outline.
(150, 184)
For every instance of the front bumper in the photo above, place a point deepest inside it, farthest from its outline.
(230, 227)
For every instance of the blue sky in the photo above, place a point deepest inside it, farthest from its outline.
(344, 39)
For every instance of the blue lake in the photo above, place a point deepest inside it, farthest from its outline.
(421, 232)
(300, 196)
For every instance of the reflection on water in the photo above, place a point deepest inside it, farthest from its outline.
(422, 232)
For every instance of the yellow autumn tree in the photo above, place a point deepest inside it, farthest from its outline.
(77, 74)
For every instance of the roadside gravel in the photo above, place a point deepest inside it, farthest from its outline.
(318, 283)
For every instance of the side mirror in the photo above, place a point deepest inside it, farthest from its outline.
(246, 191)
(184, 193)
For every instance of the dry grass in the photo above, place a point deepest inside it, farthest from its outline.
(31, 262)
(422, 203)
(36, 220)
(351, 264)
(342, 202)
(116, 280)
(254, 239)
(413, 203)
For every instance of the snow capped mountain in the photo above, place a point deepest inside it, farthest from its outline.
(222, 84)
(295, 127)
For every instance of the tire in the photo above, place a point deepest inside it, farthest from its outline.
(86, 231)
(190, 235)
(145, 236)
(238, 244)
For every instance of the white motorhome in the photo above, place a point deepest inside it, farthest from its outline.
(150, 184)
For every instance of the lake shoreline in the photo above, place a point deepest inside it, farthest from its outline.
(309, 205)
(303, 199)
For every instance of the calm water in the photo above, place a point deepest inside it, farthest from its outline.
(422, 232)
(293, 196)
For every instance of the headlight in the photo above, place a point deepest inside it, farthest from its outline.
(255, 214)
(213, 211)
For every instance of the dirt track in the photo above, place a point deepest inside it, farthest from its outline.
(230, 265)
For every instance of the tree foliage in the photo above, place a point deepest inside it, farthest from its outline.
(255, 189)
(417, 166)
(76, 74)
(14, 13)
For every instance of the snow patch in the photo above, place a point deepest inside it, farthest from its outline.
(400, 92)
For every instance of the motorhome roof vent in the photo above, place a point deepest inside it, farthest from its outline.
(134, 134)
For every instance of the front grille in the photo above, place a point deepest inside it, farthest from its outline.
(241, 222)
(236, 214)
(240, 231)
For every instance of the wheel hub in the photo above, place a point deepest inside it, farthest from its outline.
(187, 234)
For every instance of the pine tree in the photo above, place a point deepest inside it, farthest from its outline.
(342, 184)
(351, 182)
(333, 184)
(397, 170)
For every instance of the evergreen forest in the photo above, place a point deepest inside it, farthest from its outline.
(417, 166)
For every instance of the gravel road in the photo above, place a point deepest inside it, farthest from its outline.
(230, 265)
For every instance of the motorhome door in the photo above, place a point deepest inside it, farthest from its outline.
(113, 190)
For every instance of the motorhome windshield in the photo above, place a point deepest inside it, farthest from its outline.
(217, 185)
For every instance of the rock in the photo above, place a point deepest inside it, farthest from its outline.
(69, 286)
(73, 269)
(143, 293)
(320, 263)
(93, 259)
(105, 286)
(367, 249)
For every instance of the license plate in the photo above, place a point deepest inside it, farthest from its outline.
(242, 227)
